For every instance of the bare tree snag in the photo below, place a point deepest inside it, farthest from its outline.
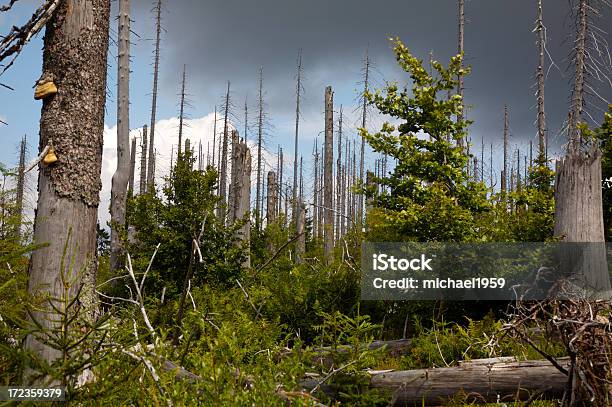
(75, 53)
(214, 138)
(578, 192)
(280, 180)
(143, 161)
(131, 188)
(181, 113)
(298, 92)
(339, 185)
(504, 179)
(300, 248)
(540, 82)
(20, 188)
(364, 101)
(121, 177)
(328, 175)
(461, 51)
(242, 197)
(235, 180)
(316, 192)
(150, 174)
(272, 194)
(260, 123)
(223, 155)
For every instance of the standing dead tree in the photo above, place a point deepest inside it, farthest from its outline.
(298, 93)
(541, 42)
(578, 192)
(315, 191)
(339, 184)
(143, 161)
(150, 173)
(73, 90)
(364, 106)
(461, 51)
(272, 198)
(121, 177)
(132, 167)
(300, 248)
(328, 175)
(223, 153)
(181, 113)
(260, 129)
(504, 176)
(241, 192)
(20, 187)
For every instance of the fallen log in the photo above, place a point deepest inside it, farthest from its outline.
(490, 381)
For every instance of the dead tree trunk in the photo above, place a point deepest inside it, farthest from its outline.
(540, 83)
(300, 248)
(143, 161)
(461, 51)
(233, 199)
(241, 185)
(328, 175)
(272, 204)
(181, 115)
(214, 146)
(280, 181)
(483, 381)
(504, 179)
(20, 188)
(260, 123)
(578, 192)
(150, 180)
(363, 125)
(131, 188)
(298, 91)
(321, 193)
(72, 121)
(121, 177)
(339, 185)
(223, 155)
(315, 191)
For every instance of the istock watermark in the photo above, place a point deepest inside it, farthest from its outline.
(486, 271)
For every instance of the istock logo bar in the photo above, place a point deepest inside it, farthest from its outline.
(485, 271)
(383, 262)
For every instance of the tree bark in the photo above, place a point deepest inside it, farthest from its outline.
(579, 216)
(328, 171)
(121, 177)
(75, 52)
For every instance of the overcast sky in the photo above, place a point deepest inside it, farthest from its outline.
(221, 40)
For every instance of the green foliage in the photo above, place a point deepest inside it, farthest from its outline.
(428, 196)
(186, 210)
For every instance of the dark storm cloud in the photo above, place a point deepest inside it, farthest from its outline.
(231, 39)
